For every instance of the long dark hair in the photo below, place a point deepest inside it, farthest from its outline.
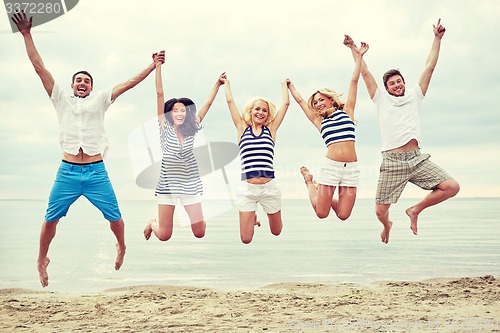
(190, 126)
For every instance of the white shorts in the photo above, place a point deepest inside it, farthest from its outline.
(333, 173)
(268, 195)
(172, 199)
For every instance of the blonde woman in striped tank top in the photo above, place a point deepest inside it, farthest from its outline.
(334, 119)
(257, 126)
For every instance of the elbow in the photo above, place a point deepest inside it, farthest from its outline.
(39, 67)
(298, 99)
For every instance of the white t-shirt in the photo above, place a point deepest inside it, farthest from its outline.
(81, 120)
(399, 117)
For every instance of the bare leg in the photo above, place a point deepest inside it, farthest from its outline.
(275, 223)
(198, 225)
(345, 204)
(248, 221)
(382, 211)
(325, 200)
(311, 188)
(335, 204)
(163, 229)
(443, 191)
(47, 234)
(320, 196)
(118, 229)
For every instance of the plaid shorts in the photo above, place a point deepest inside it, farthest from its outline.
(399, 168)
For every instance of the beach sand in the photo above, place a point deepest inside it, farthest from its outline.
(470, 304)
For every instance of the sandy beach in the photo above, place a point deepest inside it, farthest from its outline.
(470, 304)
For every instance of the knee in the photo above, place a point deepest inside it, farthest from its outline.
(276, 231)
(198, 229)
(199, 233)
(454, 188)
(381, 212)
(246, 239)
(343, 215)
(322, 214)
(164, 236)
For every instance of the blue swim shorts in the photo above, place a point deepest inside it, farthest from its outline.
(91, 181)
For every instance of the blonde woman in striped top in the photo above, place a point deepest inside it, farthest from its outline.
(334, 119)
(257, 126)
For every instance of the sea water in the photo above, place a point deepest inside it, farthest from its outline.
(460, 237)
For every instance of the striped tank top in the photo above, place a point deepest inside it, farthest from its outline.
(256, 154)
(337, 127)
(179, 170)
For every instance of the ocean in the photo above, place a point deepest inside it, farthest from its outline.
(460, 237)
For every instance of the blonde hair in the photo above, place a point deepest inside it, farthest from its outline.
(247, 109)
(338, 104)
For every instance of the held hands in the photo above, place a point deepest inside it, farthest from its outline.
(22, 22)
(222, 79)
(349, 42)
(438, 29)
(159, 58)
(363, 49)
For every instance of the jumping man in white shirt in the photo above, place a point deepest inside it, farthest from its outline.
(398, 111)
(82, 170)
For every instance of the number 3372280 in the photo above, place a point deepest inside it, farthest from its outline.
(34, 8)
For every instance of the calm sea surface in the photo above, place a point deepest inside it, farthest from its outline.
(460, 237)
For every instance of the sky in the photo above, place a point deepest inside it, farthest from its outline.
(258, 44)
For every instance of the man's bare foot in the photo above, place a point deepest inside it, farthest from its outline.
(149, 229)
(384, 235)
(42, 271)
(305, 173)
(413, 219)
(120, 254)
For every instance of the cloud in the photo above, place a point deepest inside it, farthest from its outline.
(259, 44)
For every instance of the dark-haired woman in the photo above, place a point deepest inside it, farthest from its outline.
(179, 176)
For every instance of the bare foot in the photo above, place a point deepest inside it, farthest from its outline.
(120, 254)
(305, 173)
(42, 271)
(149, 229)
(256, 222)
(384, 235)
(413, 219)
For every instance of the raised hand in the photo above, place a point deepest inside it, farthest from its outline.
(348, 41)
(438, 29)
(160, 57)
(22, 22)
(222, 78)
(363, 48)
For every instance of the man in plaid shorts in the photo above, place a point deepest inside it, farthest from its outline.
(398, 111)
